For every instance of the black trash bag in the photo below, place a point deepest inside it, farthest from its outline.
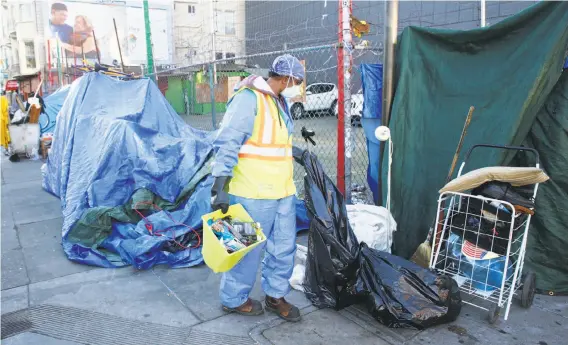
(399, 293)
(333, 249)
(340, 272)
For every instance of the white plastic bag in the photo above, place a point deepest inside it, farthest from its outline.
(299, 272)
(373, 225)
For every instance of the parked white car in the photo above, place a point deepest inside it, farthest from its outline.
(320, 97)
(356, 109)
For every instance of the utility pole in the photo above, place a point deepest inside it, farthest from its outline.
(391, 31)
(149, 52)
(482, 14)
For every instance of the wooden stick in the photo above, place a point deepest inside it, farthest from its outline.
(96, 47)
(118, 42)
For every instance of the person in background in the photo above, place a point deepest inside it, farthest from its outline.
(253, 167)
(82, 39)
(57, 23)
(14, 106)
(4, 122)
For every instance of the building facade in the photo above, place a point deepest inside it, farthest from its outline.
(109, 31)
(208, 29)
(21, 44)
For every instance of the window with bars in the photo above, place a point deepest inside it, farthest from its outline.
(225, 22)
(30, 54)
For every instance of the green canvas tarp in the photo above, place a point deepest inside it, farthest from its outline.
(507, 71)
(547, 249)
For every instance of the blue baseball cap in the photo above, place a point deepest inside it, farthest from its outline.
(288, 65)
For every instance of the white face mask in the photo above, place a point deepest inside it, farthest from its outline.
(291, 92)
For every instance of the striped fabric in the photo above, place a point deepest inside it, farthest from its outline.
(473, 252)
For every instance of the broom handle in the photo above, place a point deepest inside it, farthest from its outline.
(454, 161)
(460, 144)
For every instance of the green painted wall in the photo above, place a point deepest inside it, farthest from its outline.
(175, 91)
(174, 94)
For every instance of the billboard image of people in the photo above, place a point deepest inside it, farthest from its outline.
(84, 31)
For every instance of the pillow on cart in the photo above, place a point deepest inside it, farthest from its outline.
(516, 176)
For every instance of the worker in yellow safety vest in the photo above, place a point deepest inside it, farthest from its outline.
(4, 122)
(254, 167)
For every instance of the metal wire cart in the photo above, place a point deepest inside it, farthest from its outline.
(481, 243)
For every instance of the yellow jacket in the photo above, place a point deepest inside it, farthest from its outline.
(4, 122)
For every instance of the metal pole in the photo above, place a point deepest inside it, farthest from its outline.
(64, 55)
(149, 55)
(482, 14)
(340, 105)
(213, 66)
(74, 58)
(391, 30)
(59, 71)
(118, 43)
(50, 76)
(347, 47)
(212, 90)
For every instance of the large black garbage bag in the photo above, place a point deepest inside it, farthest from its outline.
(340, 272)
(333, 249)
(399, 293)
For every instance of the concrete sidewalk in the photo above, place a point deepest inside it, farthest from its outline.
(46, 299)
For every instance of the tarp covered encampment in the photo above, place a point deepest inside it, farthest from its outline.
(507, 71)
(121, 153)
(119, 146)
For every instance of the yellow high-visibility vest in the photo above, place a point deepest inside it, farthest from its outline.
(265, 168)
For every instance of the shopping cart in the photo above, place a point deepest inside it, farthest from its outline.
(482, 245)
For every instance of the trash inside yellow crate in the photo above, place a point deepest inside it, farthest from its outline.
(214, 252)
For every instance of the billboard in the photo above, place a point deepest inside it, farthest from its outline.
(78, 30)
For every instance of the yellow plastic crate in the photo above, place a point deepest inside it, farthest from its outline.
(214, 252)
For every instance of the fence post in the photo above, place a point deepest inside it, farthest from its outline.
(212, 88)
(340, 107)
(344, 137)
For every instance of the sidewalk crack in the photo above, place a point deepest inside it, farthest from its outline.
(172, 292)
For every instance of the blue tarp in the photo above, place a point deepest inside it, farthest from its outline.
(372, 79)
(53, 104)
(113, 138)
(116, 143)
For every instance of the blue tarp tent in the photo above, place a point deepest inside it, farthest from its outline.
(53, 104)
(123, 162)
(113, 141)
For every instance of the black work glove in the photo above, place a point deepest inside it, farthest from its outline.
(298, 154)
(219, 197)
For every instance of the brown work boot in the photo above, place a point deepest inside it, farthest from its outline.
(250, 308)
(282, 308)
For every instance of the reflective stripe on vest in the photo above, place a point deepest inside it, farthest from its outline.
(262, 144)
(265, 169)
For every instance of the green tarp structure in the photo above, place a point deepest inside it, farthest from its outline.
(511, 73)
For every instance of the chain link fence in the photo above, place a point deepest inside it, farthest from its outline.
(199, 94)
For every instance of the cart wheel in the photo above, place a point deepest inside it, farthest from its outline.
(493, 314)
(528, 290)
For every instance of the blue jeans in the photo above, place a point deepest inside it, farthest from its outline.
(278, 221)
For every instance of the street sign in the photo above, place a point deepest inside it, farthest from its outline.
(12, 85)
